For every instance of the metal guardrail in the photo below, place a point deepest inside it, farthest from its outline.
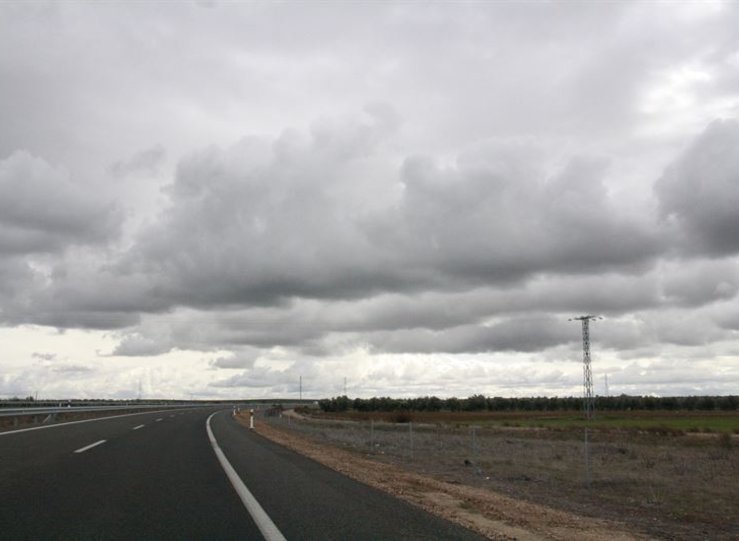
(44, 412)
(19, 412)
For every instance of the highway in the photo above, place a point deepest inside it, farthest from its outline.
(157, 476)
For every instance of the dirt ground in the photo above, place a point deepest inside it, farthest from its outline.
(495, 515)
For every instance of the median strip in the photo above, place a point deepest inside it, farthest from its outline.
(261, 518)
(88, 447)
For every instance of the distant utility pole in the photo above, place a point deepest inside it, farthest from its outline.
(588, 397)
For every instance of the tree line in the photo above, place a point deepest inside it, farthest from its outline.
(480, 402)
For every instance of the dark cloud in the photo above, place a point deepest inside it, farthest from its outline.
(322, 216)
(43, 211)
(696, 283)
(700, 192)
(524, 334)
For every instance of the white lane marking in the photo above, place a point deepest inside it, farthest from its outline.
(157, 420)
(261, 518)
(87, 447)
(137, 427)
(18, 431)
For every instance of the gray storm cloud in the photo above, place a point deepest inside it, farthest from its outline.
(267, 227)
(203, 186)
(700, 191)
(42, 210)
(300, 217)
(492, 235)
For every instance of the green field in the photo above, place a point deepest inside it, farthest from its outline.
(677, 422)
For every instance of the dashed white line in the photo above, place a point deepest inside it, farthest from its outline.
(157, 420)
(261, 518)
(137, 427)
(88, 447)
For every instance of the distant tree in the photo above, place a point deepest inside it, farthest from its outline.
(453, 404)
(475, 402)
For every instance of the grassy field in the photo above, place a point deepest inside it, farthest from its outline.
(649, 421)
(670, 475)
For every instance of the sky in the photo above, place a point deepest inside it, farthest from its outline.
(226, 199)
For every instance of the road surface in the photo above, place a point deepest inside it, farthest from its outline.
(157, 476)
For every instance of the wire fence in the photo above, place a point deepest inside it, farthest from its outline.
(482, 451)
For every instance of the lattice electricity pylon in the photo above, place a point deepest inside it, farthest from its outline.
(588, 397)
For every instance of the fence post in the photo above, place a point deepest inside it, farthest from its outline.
(587, 459)
(478, 471)
(410, 430)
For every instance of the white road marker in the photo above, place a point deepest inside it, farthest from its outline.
(137, 427)
(261, 518)
(87, 447)
(157, 420)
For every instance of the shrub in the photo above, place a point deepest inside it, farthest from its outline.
(400, 417)
(725, 440)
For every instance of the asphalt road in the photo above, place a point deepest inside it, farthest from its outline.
(157, 476)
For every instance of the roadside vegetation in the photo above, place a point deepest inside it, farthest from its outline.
(667, 474)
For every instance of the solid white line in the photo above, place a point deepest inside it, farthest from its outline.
(137, 427)
(261, 518)
(85, 448)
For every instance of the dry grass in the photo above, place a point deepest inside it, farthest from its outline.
(668, 485)
(494, 515)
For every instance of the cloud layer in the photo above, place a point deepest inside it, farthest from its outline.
(370, 185)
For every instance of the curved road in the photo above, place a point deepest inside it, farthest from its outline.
(157, 476)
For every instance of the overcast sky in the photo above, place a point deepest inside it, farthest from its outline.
(213, 199)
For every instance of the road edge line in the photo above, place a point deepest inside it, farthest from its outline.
(261, 518)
